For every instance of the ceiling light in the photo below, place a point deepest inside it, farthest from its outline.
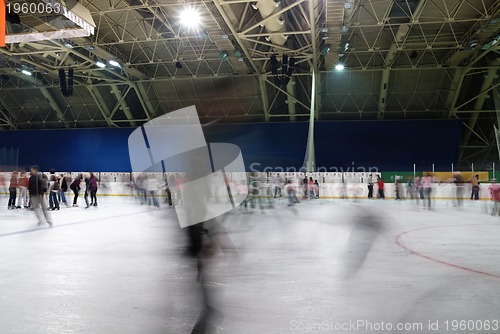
(339, 67)
(190, 17)
(100, 64)
(69, 45)
(223, 55)
(26, 72)
(114, 63)
(325, 50)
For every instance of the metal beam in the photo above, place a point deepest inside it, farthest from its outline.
(7, 119)
(264, 97)
(490, 78)
(103, 108)
(399, 37)
(290, 96)
(120, 98)
(455, 90)
(235, 33)
(147, 102)
(54, 105)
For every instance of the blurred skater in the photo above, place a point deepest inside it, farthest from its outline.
(37, 189)
(316, 189)
(458, 179)
(410, 188)
(168, 199)
(427, 187)
(291, 191)
(151, 186)
(277, 186)
(366, 228)
(495, 197)
(206, 240)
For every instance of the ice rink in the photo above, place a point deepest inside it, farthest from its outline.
(331, 266)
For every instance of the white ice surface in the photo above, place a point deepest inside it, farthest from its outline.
(121, 268)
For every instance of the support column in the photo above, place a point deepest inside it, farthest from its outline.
(310, 158)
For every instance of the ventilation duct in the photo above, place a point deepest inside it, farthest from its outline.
(77, 18)
(275, 25)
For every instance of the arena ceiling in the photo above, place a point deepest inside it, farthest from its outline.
(404, 59)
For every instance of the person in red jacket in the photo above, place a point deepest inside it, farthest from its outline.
(13, 190)
(380, 183)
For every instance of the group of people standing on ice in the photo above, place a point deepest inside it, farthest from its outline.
(30, 191)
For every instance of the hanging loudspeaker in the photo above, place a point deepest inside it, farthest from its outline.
(70, 82)
(62, 82)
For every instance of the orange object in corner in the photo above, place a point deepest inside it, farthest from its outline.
(2, 23)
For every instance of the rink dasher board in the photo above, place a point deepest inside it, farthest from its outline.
(326, 191)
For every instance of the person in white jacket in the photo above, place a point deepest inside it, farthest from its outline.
(151, 185)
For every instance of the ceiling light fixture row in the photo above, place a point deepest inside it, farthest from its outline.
(103, 64)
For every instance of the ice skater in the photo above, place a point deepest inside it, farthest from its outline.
(93, 185)
(22, 200)
(291, 191)
(475, 188)
(151, 186)
(370, 186)
(367, 226)
(380, 183)
(37, 190)
(63, 190)
(75, 187)
(13, 190)
(54, 188)
(427, 182)
(495, 197)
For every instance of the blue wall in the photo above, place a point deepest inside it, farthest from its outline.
(388, 145)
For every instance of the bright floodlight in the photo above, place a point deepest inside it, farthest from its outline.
(339, 67)
(100, 64)
(114, 63)
(190, 17)
(26, 72)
